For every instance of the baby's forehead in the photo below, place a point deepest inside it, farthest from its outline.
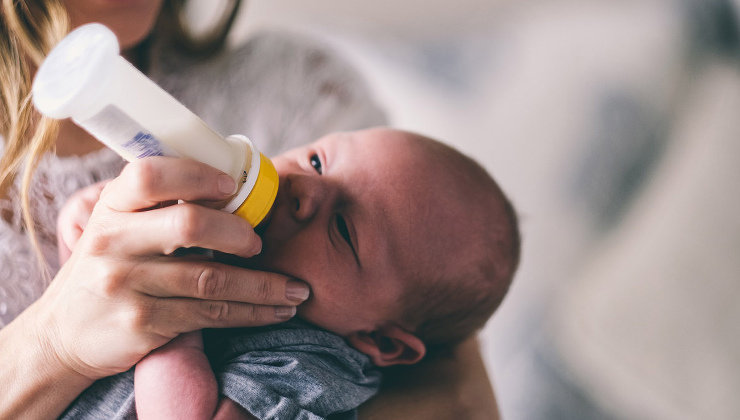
(437, 201)
(422, 171)
(385, 138)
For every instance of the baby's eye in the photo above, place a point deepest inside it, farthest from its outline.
(343, 230)
(316, 163)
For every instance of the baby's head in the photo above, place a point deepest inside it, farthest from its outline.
(405, 242)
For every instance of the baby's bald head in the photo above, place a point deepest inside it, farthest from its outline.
(400, 238)
(468, 244)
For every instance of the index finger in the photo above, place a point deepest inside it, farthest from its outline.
(207, 280)
(148, 182)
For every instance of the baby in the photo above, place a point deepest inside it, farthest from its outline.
(407, 245)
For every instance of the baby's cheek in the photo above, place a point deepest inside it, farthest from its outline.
(330, 316)
(311, 312)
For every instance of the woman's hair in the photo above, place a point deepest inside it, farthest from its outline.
(29, 29)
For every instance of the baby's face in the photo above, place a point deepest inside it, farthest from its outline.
(342, 222)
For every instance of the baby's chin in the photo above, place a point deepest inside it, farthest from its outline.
(310, 312)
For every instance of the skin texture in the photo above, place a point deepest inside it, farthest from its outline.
(355, 294)
(120, 295)
(342, 224)
(131, 20)
(176, 381)
(333, 226)
(365, 218)
(135, 274)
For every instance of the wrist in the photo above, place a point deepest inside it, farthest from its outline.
(46, 340)
(36, 382)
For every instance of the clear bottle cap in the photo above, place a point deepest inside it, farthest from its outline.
(69, 84)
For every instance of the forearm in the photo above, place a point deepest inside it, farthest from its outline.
(176, 382)
(35, 382)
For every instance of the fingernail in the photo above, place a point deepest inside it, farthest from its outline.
(257, 247)
(226, 185)
(296, 290)
(284, 312)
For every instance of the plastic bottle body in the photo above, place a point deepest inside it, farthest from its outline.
(136, 118)
(85, 78)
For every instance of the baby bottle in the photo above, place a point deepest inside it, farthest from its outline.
(85, 78)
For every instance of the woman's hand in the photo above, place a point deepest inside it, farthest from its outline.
(121, 294)
(73, 218)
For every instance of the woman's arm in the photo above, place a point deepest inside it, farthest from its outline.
(36, 381)
(454, 386)
(121, 294)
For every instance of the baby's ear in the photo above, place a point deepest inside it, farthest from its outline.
(389, 345)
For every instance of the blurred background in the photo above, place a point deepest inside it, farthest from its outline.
(613, 125)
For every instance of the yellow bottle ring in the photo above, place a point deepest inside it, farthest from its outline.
(259, 202)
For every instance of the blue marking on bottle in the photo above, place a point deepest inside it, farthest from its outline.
(143, 145)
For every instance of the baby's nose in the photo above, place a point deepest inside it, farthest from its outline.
(306, 196)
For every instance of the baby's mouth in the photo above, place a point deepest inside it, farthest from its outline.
(262, 226)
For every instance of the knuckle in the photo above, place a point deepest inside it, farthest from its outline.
(100, 241)
(216, 311)
(141, 318)
(252, 312)
(109, 187)
(211, 283)
(199, 175)
(264, 289)
(112, 279)
(143, 175)
(187, 225)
